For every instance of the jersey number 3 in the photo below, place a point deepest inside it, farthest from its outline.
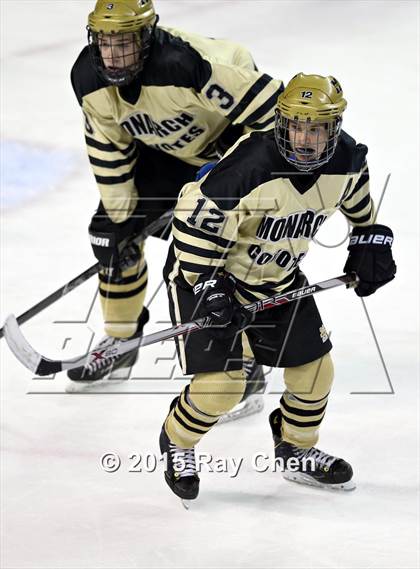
(225, 98)
(211, 223)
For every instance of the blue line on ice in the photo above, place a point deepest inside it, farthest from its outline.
(27, 171)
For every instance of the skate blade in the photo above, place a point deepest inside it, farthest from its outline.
(301, 478)
(253, 404)
(186, 504)
(92, 386)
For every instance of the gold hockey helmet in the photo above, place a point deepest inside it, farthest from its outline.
(121, 16)
(308, 120)
(120, 34)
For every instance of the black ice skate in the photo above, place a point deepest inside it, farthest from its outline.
(114, 367)
(253, 398)
(181, 475)
(310, 466)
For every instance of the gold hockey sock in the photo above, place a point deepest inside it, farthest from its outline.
(122, 301)
(200, 405)
(304, 402)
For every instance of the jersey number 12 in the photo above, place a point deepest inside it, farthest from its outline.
(211, 223)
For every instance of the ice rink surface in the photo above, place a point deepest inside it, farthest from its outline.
(60, 509)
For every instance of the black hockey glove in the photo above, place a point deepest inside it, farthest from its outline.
(215, 300)
(114, 255)
(370, 257)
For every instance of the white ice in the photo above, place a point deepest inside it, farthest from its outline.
(59, 508)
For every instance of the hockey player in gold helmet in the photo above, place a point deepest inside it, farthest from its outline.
(308, 120)
(120, 34)
(159, 103)
(239, 236)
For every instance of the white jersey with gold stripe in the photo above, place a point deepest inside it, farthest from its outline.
(254, 215)
(190, 90)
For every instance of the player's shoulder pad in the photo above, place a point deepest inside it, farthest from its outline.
(348, 157)
(84, 78)
(253, 162)
(174, 62)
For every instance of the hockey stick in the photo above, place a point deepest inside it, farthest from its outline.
(159, 223)
(40, 365)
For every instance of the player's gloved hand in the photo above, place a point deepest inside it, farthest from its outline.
(105, 247)
(113, 256)
(215, 300)
(370, 257)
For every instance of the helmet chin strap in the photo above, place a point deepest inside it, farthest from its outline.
(303, 166)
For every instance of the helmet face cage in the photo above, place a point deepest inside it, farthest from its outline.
(314, 151)
(119, 57)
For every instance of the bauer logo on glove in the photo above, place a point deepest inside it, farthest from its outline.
(371, 239)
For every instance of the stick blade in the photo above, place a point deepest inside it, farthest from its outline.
(18, 344)
(24, 352)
